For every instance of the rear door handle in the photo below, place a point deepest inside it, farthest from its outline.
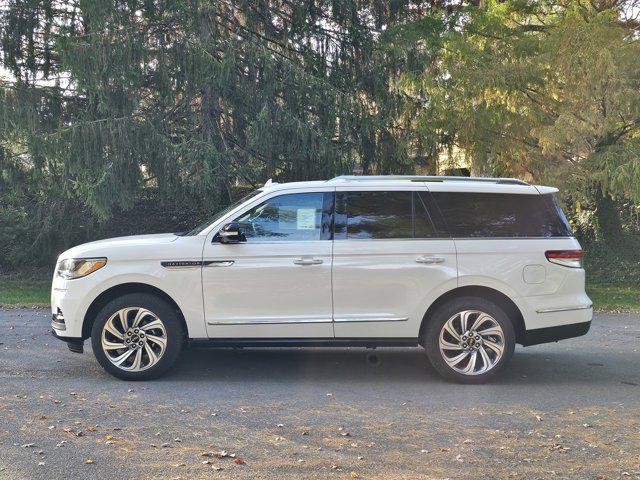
(307, 261)
(429, 260)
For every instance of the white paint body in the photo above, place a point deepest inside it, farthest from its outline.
(357, 289)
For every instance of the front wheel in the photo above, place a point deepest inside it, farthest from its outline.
(137, 336)
(469, 340)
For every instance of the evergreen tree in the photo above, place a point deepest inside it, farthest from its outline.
(191, 99)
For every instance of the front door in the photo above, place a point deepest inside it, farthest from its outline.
(277, 284)
(388, 258)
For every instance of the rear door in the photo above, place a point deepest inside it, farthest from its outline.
(502, 233)
(388, 256)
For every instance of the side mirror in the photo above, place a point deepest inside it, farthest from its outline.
(231, 233)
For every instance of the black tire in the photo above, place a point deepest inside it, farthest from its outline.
(436, 323)
(175, 335)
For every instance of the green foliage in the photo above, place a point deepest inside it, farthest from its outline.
(613, 263)
(114, 104)
(187, 99)
(548, 91)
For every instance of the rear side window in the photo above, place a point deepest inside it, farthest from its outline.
(502, 215)
(381, 215)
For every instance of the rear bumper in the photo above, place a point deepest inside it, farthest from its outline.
(553, 334)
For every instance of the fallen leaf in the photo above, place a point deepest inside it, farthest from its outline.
(89, 461)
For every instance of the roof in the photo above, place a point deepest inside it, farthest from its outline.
(432, 182)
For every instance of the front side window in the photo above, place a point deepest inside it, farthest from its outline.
(501, 215)
(382, 215)
(287, 218)
(221, 213)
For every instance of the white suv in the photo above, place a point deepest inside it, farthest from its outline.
(465, 267)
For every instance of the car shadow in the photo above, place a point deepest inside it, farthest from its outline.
(532, 365)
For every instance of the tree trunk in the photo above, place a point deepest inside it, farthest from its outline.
(608, 224)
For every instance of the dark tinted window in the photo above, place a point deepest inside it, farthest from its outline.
(501, 215)
(377, 214)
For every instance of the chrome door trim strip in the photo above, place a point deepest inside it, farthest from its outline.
(269, 322)
(563, 309)
(183, 264)
(360, 320)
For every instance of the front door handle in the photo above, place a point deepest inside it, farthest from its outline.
(307, 261)
(218, 263)
(429, 260)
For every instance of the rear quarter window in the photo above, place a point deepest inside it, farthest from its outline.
(497, 215)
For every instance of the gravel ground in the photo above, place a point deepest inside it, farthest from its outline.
(563, 410)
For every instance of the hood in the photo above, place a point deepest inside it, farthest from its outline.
(104, 247)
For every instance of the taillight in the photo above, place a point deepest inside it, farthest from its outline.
(566, 258)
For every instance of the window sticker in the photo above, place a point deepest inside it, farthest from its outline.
(306, 218)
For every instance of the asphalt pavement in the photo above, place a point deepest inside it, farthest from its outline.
(563, 410)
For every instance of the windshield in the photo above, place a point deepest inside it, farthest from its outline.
(221, 213)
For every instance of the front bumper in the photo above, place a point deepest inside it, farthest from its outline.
(76, 345)
(68, 298)
(66, 313)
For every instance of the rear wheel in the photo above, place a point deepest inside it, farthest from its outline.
(137, 337)
(469, 340)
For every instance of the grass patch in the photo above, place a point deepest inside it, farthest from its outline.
(16, 292)
(614, 297)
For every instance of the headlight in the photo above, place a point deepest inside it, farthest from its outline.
(79, 267)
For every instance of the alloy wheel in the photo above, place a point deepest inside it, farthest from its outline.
(471, 342)
(134, 339)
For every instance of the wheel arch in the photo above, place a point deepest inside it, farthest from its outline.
(499, 298)
(121, 289)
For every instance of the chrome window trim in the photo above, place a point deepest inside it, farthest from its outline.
(514, 238)
(449, 238)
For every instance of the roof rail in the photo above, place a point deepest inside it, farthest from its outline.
(429, 178)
